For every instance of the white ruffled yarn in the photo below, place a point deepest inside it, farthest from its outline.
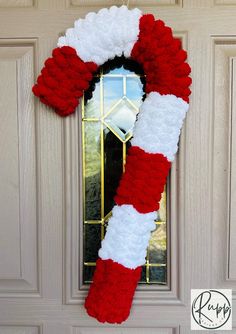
(159, 122)
(127, 236)
(102, 36)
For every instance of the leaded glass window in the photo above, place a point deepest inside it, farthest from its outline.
(109, 111)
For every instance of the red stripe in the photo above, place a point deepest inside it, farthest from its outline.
(143, 181)
(162, 58)
(63, 80)
(111, 293)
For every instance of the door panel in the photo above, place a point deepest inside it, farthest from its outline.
(18, 241)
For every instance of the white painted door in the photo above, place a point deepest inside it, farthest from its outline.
(40, 194)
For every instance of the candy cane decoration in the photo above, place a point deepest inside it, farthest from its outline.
(66, 75)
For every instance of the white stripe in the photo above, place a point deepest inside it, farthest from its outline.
(159, 122)
(127, 236)
(102, 36)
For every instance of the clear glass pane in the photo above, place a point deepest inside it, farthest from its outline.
(157, 245)
(163, 208)
(112, 91)
(113, 167)
(92, 170)
(134, 89)
(92, 242)
(92, 109)
(88, 273)
(143, 278)
(157, 275)
(121, 119)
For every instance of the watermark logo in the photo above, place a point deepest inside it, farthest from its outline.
(211, 309)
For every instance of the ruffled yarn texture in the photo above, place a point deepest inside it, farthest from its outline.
(162, 58)
(159, 122)
(112, 32)
(104, 35)
(143, 181)
(63, 80)
(127, 236)
(111, 293)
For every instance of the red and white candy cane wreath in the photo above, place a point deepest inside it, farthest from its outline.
(100, 37)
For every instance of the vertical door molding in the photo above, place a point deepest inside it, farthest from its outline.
(224, 182)
(19, 270)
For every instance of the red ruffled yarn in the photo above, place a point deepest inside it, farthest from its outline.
(63, 80)
(111, 293)
(162, 58)
(143, 181)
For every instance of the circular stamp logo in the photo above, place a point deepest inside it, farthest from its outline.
(211, 309)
